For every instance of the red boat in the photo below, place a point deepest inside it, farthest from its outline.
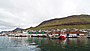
(62, 37)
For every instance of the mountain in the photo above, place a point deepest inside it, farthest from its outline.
(74, 21)
(18, 29)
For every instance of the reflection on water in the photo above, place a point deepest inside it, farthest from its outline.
(16, 44)
(70, 44)
(43, 44)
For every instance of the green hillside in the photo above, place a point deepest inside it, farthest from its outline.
(74, 21)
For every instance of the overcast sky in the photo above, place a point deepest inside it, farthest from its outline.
(27, 13)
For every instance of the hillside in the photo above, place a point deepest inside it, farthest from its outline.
(17, 29)
(74, 21)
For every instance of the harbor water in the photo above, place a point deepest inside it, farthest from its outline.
(43, 44)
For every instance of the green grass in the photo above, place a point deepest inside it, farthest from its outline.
(49, 24)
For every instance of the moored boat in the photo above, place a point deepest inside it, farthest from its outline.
(63, 36)
(2, 34)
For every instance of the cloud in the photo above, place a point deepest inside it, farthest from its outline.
(6, 26)
(26, 13)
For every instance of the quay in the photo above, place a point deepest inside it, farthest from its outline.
(53, 33)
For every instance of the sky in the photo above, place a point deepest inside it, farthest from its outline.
(30, 13)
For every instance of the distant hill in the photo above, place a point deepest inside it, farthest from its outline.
(17, 29)
(74, 21)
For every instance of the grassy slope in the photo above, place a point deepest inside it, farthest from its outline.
(70, 19)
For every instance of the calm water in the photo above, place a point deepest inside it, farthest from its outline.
(43, 44)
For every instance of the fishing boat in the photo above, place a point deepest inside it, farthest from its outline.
(62, 36)
(56, 35)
